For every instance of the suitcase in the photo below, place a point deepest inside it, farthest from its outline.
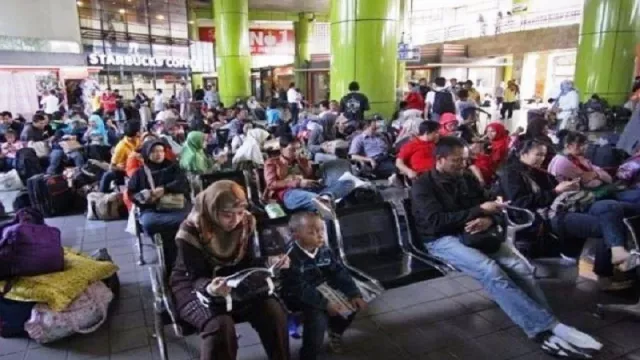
(50, 194)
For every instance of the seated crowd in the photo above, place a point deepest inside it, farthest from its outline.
(461, 181)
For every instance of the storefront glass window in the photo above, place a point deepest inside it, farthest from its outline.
(138, 43)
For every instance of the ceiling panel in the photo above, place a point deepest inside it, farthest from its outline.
(319, 6)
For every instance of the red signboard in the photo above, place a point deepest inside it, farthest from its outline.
(261, 41)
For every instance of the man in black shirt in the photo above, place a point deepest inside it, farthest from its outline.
(198, 95)
(455, 219)
(354, 104)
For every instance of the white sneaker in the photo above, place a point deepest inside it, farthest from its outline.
(576, 338)
(557, 347)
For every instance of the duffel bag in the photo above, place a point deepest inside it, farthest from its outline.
(101, 206)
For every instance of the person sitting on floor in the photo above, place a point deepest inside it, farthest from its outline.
(58, 155)
(454, 218)
(312, 263)
(9, 148)
(213, 242)
(289, 178)
(572, 164)
(129, 143)
(416, 156)
(372, 150)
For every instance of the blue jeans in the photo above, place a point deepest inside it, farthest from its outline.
(315, 325)
(508, 280)
(603, 220)
(112, 175)
(159, 222)
(301, 199)
(631, 196)
(57, 156)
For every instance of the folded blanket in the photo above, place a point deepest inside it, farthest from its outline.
(59, 289)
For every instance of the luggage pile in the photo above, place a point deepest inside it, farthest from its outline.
(48, 292)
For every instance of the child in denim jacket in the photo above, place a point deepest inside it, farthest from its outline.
(312, 264)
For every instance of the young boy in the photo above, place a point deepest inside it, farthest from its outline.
(9, 149)
(313, 264)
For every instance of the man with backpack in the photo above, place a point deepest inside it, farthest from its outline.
(439, 101)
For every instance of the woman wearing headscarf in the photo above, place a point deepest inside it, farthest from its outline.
(151, 188)
(498, 135)
(96, 134)
(193, 159)
(213, 242)
(567, 103)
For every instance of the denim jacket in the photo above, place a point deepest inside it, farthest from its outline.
(305, 274)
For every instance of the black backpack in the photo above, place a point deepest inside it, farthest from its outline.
(443, 103)
(50, 194)
(27, 164)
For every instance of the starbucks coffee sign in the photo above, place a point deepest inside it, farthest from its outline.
(139, 60)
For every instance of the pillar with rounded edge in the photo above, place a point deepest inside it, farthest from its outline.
(609, 33)
(402, 65)
(232, 49)
(364, 43)
(303, 29)
(196, 78)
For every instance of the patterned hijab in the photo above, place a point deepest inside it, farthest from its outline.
(202, 229)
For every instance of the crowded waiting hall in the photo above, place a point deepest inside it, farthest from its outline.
(174, 191)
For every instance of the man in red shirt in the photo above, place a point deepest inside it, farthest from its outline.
(416, 156)
(108, 102)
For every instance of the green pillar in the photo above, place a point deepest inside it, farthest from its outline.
(402, 65)
(196, 78)
(364, 45)
(232, 49)
(303, 29)
(608, 36)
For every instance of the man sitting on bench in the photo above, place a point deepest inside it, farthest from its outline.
(455, 220)
(289, 178)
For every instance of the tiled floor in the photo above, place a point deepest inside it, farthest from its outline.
(448, 318)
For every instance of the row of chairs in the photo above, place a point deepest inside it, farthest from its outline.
(385, 254)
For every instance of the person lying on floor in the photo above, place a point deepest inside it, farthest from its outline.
(454, 218)
(289, 178)
(312, 263)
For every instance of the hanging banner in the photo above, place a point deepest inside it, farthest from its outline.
(520, 6)
(261, 41)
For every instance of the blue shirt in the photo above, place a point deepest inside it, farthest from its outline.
(274, 117)
(370, 146)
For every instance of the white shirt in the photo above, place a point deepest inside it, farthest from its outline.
(158, 102)
(50, 103)
(499, 91)
(431, 96)
(309, 254)
(292, 96)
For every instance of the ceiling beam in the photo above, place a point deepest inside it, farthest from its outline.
(262, 15)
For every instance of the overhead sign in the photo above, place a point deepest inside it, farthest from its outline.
(139, 60)
(261, 41)
(408, 52)
(520, 6)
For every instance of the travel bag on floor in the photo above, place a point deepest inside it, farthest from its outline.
(27, 164)
(50, 194)
(10, 181)
(85, 315)
(101, 206)
(29, 248)
(13, 316)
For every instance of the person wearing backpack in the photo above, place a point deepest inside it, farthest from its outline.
(439, 101)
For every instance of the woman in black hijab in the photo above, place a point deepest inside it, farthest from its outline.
(160, 190)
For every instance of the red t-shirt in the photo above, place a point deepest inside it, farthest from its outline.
(418, 155)
(108, 102)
